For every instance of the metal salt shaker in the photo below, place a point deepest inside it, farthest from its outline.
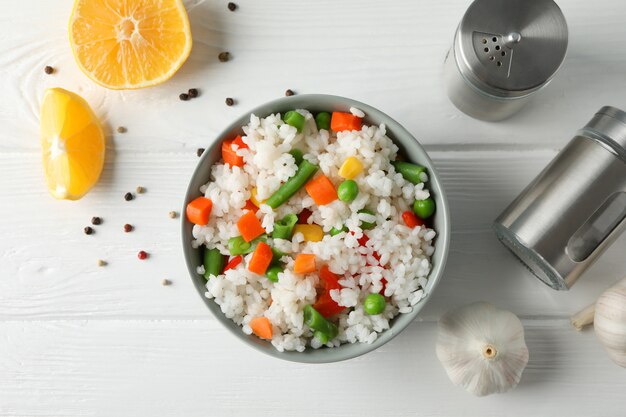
(503, 52)
(575, 208)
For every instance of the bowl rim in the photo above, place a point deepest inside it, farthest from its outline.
(347, 350)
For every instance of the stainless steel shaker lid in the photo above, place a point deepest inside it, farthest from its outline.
(512, 45)
(610, 124)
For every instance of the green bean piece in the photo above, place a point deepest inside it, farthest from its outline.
(317, 322)
(238, 246)
(273, 271)
(424, 208)
(213, 263)
(334, 231)
(367, 225)
(283, 229)
(297, 155)
(295, 119)
(347, 191)
(374, 304)
(322, 337)
(410, 172)
(276, 255)
(322, 120)
(293, 184)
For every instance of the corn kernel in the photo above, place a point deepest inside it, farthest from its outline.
(311, 232)
(351, 168)
(253, 198)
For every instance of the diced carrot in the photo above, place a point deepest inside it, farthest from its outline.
(239, 142)
(304, 264)
(230, 156)
(250, 206)
(321, 190)
(249, 226)
(233, 262)
(199, 210)
(411, 219)
(261, 327)
(345, 121)
(261, 258)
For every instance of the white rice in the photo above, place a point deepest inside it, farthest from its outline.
(404, 252)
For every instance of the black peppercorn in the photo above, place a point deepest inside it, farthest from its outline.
(230, 101)
(128, 196)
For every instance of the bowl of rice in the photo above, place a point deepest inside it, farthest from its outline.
(316, 228)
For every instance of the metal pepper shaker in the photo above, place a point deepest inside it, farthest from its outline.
(503, 52)
(575, 208)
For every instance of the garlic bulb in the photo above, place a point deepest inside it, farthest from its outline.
(482, 348)
(609, 321)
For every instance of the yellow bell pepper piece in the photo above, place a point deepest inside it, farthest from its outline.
(351, 168)
(254, 199)
(311, 232)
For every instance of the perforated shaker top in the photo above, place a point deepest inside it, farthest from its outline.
(513, 45)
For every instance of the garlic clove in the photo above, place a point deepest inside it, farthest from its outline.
(610, 322)
(482, 348)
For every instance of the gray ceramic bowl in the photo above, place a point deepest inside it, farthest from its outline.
(408, 145)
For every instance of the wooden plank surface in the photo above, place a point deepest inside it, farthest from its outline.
(195, 368)
(78, 340)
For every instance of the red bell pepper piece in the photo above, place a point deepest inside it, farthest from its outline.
(233, 262)
(325, 305)
(303, 216)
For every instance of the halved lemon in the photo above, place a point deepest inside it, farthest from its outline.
(126, 44)
(73, 144)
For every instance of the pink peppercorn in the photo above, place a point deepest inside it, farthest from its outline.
(142, 255)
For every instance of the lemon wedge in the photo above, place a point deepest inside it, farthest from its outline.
(72, 142)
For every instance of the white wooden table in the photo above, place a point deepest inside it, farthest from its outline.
(79, 340)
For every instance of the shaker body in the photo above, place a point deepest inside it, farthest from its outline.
(474, 102)
(574, 209)
(502, 53)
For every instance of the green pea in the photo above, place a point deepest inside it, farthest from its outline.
(374, 304)
(297, 154)
(367, 225)
(334, 231)
(273, 271)
(295, 119)
(322, 120)
(424, 208)
(348, 190)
